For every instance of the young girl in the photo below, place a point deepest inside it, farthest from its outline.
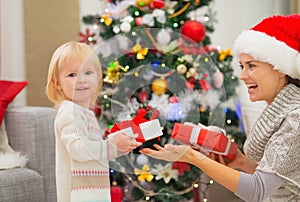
(82, 155)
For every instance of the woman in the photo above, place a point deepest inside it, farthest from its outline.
(270, 68)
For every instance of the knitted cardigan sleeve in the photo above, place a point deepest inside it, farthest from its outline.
(282, 153)
(274, 142)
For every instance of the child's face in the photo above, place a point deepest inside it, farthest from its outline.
(78, 80)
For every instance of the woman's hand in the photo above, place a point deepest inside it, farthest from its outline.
(240, 162)
(170, 152)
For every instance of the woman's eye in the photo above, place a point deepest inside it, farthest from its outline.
(71, 75)
(241, 66)
(251, 66)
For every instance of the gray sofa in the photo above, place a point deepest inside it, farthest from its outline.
(30, 131)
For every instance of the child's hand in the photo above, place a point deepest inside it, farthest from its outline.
(126, 143)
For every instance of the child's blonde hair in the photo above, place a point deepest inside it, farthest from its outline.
(68, 52)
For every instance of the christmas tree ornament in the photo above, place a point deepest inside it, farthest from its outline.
(159, 86)
(165, 172)
(155, 64)
(87, 37)
(205, 86)
(139, 51)
(160, 16)
(116, 193)
(163, 37)
(188, 58)
(116, 29)
(181, 69)
(218, 79)
(142, 159)
(173, 99)
(106, 19)
(125, 27)
(193, 30)
(143, 3)
(143, 96)
(148, 19)
(174, 112)
(224, 54)
(138, 21)
(144, 173)
(113, 74)
(182, 167)
(169, 6)
(192, 72)
(159, 4)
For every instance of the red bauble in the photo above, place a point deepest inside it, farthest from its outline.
(143, 96)
(194, 30)
(159, 4)
(97, 111)
(116, 193)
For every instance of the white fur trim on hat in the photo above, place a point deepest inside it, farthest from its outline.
(268, 49)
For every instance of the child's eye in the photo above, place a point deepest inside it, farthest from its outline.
(71, 75)
(88, 72)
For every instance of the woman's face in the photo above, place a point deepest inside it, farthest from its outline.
(260, 78)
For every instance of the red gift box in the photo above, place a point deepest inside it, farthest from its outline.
(144, 128)
(204, 139)
(145, 131)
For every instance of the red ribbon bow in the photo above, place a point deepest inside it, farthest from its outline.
(134, 123)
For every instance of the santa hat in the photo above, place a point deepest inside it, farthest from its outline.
(275, 40)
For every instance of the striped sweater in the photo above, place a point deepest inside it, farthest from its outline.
(82, 168)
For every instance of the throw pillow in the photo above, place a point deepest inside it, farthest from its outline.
(8, 91)
(8, 157)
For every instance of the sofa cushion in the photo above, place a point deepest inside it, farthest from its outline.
(21, 184)
(30, 129)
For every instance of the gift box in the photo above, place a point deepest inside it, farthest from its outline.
(145, 128)
(204, 139)
(145, 131)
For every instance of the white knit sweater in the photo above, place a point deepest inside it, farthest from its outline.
(82, 169)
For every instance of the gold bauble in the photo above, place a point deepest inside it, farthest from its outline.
(159, 86)
(143, 3)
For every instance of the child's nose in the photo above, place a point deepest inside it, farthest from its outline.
(80, 77)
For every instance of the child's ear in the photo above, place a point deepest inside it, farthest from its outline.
(57, 85)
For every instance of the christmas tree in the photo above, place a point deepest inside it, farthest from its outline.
(157, 61)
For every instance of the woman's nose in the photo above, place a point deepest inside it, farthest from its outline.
(243, 74)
